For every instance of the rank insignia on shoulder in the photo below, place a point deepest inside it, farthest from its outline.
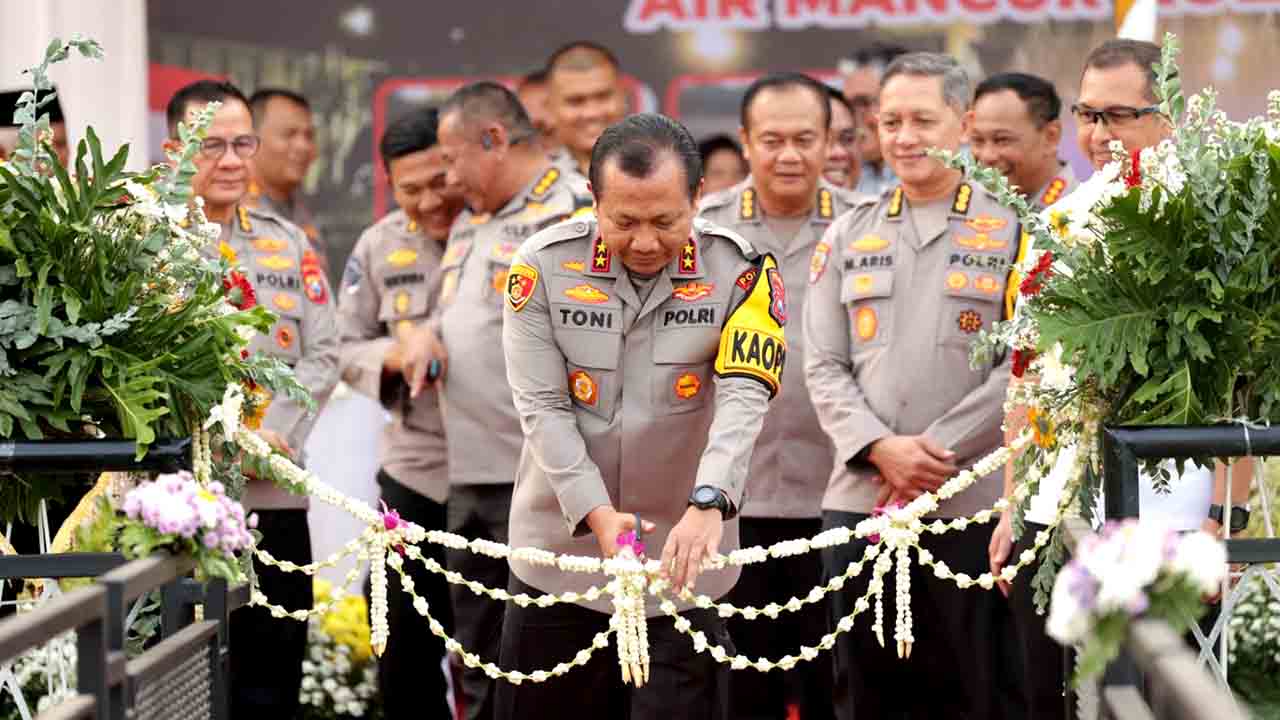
(824, 204)
(963, 195)
(986, 224)
(521, 282)
(583, 387)
(402, 257)
(587, 293)
(693, 291)
(1053, 192)
(818, 263)
(545, 182)
(969, 322)
(266, 244)
(895, 202)
(687, 386)
(688, 258)
(602, 256)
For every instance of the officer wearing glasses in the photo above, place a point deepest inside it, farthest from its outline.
(286, 275)
(1117, 100)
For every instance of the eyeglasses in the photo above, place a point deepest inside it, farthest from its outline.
(246, 146)
(1115, 116)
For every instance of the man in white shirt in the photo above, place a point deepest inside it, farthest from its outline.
(1116, 102)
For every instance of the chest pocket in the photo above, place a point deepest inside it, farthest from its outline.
(285, 341)
(586, 321)
(973, 285)
(868, 298)
(403, 294)
(685, 339)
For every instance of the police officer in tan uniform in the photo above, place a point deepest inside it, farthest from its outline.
(286, 278)
(585, 95)
(642, 350)
(283, 121)
(511, 191)
(783, 208)
(385, 291)
(900, 287)
(1015, 127)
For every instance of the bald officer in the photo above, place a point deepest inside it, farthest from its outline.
(512, 190)
(642, 350)
(901, 285)
(783, 208)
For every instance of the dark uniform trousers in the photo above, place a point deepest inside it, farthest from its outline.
(410, 679)
(683, 684)
(266, 652)
(478, 511)
(942, 678)
(1038, 658)
(767, 695)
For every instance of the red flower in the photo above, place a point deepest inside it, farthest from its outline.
(1134, 178)
(1034, 282)
(1022, 360)
(239, 290)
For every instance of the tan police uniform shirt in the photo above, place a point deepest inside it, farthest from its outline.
(481, 426)
(1059, 187)
(793, 456)
(287, 278)
(385, 291)
(896, 298)
(295, 211)
(632, 403)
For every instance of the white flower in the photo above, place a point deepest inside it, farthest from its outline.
(1202, 558)
(1068, 620)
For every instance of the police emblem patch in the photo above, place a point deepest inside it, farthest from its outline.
(587, 293)
(969, 322)
(747, 278)
(818, 263)
(520, 284)
(777, 296)
(687, 386)
(583, 387)
(313, 278)
(866, 324)
(692, 291)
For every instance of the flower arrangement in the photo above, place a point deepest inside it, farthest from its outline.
(40, 679)
(1148, 296)
(117, 317)
(176, 513)
(339, 676)
(1255, 645)
(1131, 570)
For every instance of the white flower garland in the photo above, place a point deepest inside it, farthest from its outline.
(386, 537)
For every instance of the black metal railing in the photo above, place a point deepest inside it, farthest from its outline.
(184, 675)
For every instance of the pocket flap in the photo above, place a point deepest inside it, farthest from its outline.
(872, 284)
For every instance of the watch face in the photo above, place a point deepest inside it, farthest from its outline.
(704, 495)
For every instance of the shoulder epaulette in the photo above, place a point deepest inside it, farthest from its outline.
(563, 231)
(706, 227)
(543, 186)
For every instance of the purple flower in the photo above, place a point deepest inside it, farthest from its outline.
(629, 539)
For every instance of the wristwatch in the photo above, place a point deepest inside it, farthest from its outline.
(708, 497)
(1239, 516)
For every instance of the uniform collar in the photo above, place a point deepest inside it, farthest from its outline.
(960, 202)
(1057, 187)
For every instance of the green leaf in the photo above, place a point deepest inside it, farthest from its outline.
(73, 304)
(1169, 400)
(136, 402)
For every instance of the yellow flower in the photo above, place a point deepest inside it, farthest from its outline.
(227, 252)
(258, 400)
(1059, 221)
(1041, 428)
(323, 590)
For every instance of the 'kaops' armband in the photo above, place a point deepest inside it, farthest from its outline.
(752, 342)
